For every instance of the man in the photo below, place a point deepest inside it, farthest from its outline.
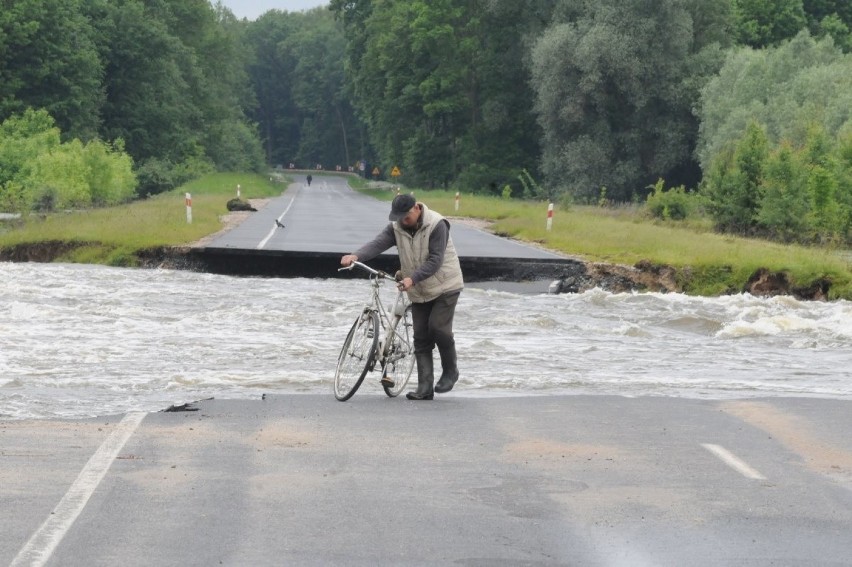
(432, 276)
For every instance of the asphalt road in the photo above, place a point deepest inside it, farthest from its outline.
(556, 480)
(328, 216)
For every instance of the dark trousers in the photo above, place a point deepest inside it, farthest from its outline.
(433, 323)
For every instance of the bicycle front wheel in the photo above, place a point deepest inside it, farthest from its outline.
(357, 354)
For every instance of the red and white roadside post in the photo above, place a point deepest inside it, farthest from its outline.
(549, 216)
(457, 201)
(188, 208)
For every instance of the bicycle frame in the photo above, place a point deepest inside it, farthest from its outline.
(388, 318)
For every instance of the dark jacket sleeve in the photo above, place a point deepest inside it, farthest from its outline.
(379, 244)
(437, 247)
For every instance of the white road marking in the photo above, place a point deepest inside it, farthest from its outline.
(269, 236)
(44, 541)
(733, 461)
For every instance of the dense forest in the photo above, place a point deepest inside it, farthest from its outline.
(739, 108)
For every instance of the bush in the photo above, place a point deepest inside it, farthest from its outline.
(58, 178)
(155, 176)
(734, 184)
(159, 175)
(481, 179)
(13, 198)
(532, 190)
(785, 201)
(38, 171)
(784, 191)
(674, 204)
(109, 173)
(785, 89)
(235, 146)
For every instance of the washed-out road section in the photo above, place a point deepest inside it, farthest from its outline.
(304, 232)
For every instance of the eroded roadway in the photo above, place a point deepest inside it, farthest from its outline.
(306, 230)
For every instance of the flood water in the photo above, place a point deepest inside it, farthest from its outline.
(80, 341)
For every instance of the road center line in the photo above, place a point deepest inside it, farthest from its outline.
(733, 461)
(44, 541)
(269, 236)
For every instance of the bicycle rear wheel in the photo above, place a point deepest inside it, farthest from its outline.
(359, 350)
(401, 358)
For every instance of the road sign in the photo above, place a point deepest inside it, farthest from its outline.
(376, 171)
(395, 172)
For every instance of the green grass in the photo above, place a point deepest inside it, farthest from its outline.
(113, 235)
(709, 263)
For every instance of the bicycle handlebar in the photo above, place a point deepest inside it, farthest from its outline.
(377, 273)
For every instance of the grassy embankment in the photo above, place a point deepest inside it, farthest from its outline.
(115, 235)
(708, 263)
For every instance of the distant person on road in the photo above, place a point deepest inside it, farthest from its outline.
(310, 179)
(432, 276)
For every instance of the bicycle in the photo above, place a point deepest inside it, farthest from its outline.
(364, 347)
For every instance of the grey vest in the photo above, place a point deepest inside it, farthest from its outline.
(413, 251)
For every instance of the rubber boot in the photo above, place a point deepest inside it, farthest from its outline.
(450, 370)
(425, 377)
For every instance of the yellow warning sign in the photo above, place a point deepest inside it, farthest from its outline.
(395, 172)
(376, 171)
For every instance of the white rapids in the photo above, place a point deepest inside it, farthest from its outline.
(83, 341)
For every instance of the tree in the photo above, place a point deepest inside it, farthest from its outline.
(23, 138)
(826, 214)
(844, 180)
(816, 10)
(109, 173)
(788, 89)
(37, 170)
(270, 76)
(839, 31)
(48, 59)
(215, 71)
(763, 23)
(329, 126)
(176, 88)
(407, 87)
(830, 17)
(430, 82)
(784, 205)
(150, 102)
(735, 184)
(504, 137)
(615, 84)
(58, 179)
